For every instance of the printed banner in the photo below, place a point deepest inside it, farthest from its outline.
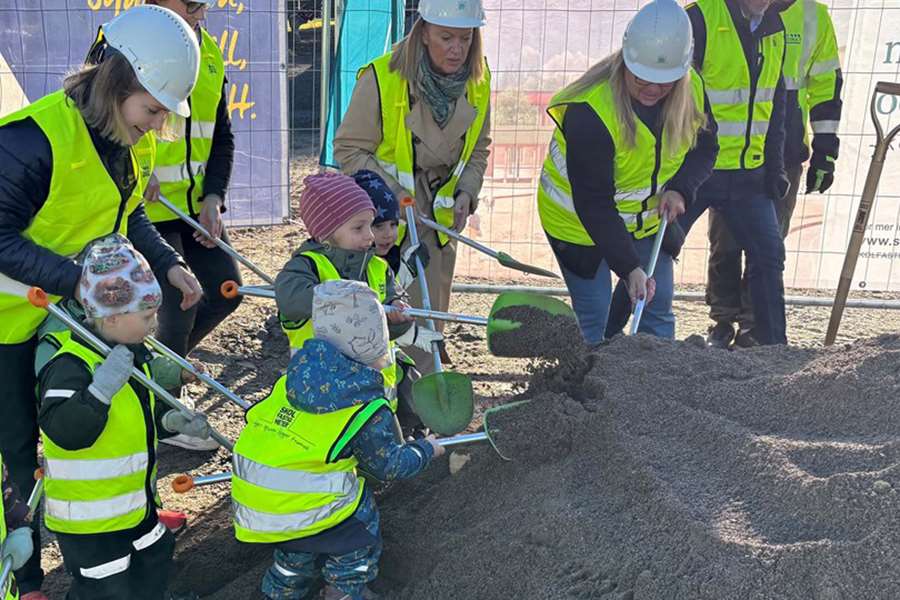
(40, 42)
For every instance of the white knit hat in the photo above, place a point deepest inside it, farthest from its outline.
(349, 315)
(116, 279)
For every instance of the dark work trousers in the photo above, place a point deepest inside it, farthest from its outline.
(727, 291)
(134, 563)
(182, 330)
(19, 439)
(750, 215)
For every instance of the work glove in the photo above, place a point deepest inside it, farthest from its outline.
(777, 185)
(112, 374)
(195, 425)
(820, 174)
(408, 270)
(420, 337)
(19, 546)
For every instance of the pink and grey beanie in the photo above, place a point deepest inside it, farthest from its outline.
(328, 201)
(116, 279)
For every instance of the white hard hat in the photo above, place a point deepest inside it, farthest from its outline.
(658, 45)
(163, 51)
(453, 13)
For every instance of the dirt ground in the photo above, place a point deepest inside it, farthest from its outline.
(774, 484)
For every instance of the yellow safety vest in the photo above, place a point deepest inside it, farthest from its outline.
(83, 204)
(11, 591)
(395, 152)
(105, 487)
(181, 164)
(289, 480)
(377, 272)
(742, 109)
(637, 178)
(811, 59)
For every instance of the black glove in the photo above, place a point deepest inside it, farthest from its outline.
(820, 174)
(777, 185)
(673, 239)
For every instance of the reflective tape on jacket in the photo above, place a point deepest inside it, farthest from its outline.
(396, 147)
(742, 108)
(824, 126)
(84, 469)
(637, 179)
(181, 163)
(96, 510)
(264, 522)
(289, 480)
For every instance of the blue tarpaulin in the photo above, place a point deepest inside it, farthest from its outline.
(368, 29)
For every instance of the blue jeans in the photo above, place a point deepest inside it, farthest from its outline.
(591, 297)
(740, 197)
(294, 575)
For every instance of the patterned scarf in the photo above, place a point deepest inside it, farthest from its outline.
(441, 91)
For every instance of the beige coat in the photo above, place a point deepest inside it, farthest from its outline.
(437, 152)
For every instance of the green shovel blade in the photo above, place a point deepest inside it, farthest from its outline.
(510, 263)
(444, 402)
(546, 304)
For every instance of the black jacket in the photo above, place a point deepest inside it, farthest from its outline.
(27, 160)
(771, 23)
(590, 158)
(76, 422)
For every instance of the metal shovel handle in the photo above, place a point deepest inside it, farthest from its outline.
(409, 205)
(651, 269)
(459, 237)
(38, 298)
(438, 315)
(231, 289)
(227, 249)
(204, 377)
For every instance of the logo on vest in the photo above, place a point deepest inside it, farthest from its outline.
(285, 416)
(794, 38)
(212, 68)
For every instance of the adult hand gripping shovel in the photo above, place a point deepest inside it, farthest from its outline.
(185, 483)
(38, 298)
(33, 501)
(501, 257)
(222, 245)
(443, 400)
(495, 325)
(882, 145)
(651, 267)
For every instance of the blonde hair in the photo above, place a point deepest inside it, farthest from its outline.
(681, 117)
(99, 90)
(405, 58)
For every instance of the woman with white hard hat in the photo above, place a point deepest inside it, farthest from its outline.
(70, 175)
(634, 140)
(420, 118)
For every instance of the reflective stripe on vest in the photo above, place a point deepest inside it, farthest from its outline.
(637, 179)
(395, 153)
(83, 202)
(290, 476)
(742, 108)
(377, 272)
(804, 22)
(102, 488)
(181, 176)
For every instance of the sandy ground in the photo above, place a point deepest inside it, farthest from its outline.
(248, 352)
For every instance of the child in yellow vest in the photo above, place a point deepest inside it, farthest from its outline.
(295, 483)
(100, 428)
(338, 215)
